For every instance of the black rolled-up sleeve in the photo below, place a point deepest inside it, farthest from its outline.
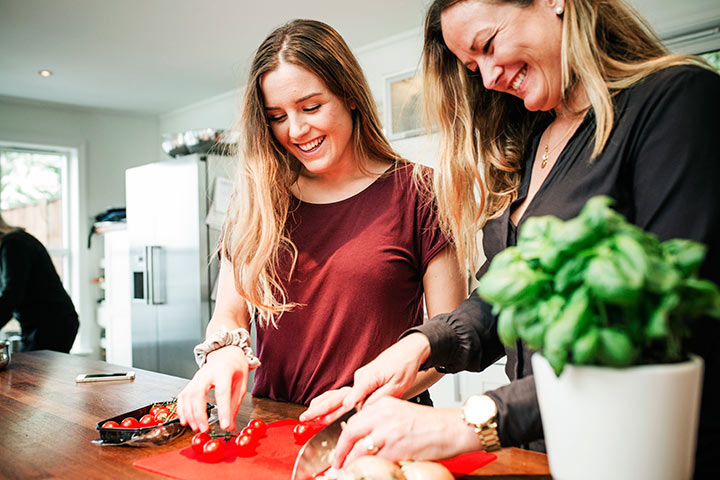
(464, 339)
(518, 420)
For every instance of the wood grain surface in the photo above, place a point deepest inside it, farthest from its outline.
(47, 421)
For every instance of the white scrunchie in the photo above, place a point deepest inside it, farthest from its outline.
(239, 337)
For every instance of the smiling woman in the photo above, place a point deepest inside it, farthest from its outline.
(331, 242)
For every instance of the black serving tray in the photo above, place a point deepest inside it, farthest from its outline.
(119, 435)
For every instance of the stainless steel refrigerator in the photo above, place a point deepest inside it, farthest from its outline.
(169, 262)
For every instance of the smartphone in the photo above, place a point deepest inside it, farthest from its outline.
(104, 377)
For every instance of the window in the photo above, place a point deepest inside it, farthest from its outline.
(34, 196)
(713, 58)
(403, 103)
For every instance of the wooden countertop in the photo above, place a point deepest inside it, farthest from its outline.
(48, 421)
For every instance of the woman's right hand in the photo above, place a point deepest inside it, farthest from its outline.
(226, 370)
(392, 373)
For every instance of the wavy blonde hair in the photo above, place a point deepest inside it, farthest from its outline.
(254, 236)
(606, 47)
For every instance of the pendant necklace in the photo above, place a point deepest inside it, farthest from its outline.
(546, 149)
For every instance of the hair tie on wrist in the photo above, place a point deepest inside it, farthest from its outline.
(239, 337)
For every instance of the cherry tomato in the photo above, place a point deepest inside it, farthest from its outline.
(148, 421)
(258, 425)
(252, 433)
(245, 445)
(154, 409)
(198, 442)
(110, 424)
(302, 433)
(214, 450)
(161, 413)
(130, 422)
(171, 417)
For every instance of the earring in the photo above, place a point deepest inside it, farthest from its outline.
(559, 11)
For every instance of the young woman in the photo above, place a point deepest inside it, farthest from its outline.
(543, 104)
(331, 241)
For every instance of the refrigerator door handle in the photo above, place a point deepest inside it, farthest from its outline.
(155, 294)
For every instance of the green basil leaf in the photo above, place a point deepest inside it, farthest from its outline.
(585, 347)
(615, 348)
(686, 255)
(658, 325)
(570, 275)
(506, 326)
(515, 284)
(572, 322)
(609, 283)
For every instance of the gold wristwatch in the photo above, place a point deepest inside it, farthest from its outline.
(480, 412)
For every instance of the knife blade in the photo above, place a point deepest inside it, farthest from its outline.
(316, 455)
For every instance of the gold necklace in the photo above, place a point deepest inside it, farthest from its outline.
(546, 150)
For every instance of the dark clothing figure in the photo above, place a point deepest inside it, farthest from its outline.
(661, 181)
(31, 291)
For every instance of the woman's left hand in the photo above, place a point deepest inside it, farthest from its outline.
(402, 430)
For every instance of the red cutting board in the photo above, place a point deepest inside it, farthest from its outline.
(274, 459)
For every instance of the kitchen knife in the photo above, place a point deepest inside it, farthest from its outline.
(316, 455)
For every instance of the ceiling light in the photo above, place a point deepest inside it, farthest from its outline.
(45, 73)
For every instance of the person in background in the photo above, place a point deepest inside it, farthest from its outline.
(31, 291)
(331, 240)
(541, 105)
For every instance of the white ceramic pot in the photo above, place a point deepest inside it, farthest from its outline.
(620, 423)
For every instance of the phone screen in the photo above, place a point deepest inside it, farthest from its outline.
(102, 375)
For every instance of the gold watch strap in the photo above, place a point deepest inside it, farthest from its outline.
(489, 436)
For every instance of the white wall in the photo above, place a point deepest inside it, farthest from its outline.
(108, 143)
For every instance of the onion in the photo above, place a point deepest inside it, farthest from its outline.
(426, 471)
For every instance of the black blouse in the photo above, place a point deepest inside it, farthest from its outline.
(661, 165)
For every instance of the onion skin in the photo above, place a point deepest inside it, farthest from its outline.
(370, 467)
(426, 471)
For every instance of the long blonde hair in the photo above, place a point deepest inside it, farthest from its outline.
(255, 235)
(606, 47)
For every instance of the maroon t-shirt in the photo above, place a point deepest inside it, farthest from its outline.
(358, 279)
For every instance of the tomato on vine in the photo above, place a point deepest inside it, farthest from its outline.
(258, 425)
(245, 445)
(214, 450)
(111, 424)
(148, 421)
(198, 442)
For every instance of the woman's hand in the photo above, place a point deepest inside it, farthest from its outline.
(326, 408)
(402, 430)
(227, 371)
(391, 373)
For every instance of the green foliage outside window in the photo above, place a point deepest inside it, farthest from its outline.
(713, 58)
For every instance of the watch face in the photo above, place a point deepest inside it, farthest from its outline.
(479, 409)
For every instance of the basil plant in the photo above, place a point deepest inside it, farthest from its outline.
(597, 290)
